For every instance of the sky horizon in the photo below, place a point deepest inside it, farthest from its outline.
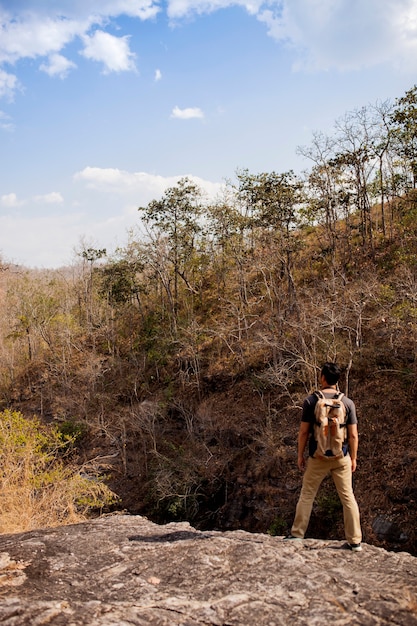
(106, 103)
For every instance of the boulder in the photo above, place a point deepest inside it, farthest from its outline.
(123, 570)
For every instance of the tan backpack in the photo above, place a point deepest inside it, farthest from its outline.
(330, 428)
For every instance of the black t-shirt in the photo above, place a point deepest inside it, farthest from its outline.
(308, 415)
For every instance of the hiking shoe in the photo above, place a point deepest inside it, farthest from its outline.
(355, 547)
(292, 537)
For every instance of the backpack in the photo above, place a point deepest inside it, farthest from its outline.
(330, 426)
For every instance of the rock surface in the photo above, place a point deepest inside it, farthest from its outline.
(123, 570)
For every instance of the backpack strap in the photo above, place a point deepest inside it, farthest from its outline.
(339, 397)
(320, 396)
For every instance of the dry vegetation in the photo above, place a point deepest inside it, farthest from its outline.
(182, 362)
(39, 485)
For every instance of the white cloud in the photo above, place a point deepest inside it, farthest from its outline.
(50, 198)
(327, 34)
(346, 35)
(11, 201)
(81, 9)
(49, 240)
(142, 9)
(187, 114)
(121, 182)
(158, 75)
(40, 241)
(322, 34)
(5, 122)
(32, 29)
(139, 186)
(57, 65)
(113, 51)
(8, 85)
(182, 8)
(31, 35)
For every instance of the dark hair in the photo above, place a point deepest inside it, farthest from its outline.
(331, 372)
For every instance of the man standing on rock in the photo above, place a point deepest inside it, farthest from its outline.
(318, 467)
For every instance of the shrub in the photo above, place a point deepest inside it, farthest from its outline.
(278, 527)
(37, 488)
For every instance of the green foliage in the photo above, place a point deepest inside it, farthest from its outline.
(21, 437)
(404, 119)
(37, 488)
(92, 254)
(176, 218)
(278, 527)
(71, 431)
(387, 295)
(119, 281)
(406, 311)
(330, 507)
(175, 482)
(271, 198)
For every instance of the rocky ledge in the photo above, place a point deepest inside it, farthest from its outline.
(123, 570)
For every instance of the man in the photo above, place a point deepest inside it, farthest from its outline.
(341, 469)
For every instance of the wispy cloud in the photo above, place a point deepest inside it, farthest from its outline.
(158, 75)
(187, 114)
(49, 240)
(120, 181)
(112, 51)
(329, 34)
(50, 198)
(141, 186)
(183, 8)
(11, 201)
(8, 84)
(46, 241)
(346, 35)
(5, 122)
(57, 65)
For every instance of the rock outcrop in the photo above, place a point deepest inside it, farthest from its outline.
(123, 570)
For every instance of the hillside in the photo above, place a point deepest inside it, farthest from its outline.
(199, 423)
(174, 371)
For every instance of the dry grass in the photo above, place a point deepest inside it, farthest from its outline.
(38, 489)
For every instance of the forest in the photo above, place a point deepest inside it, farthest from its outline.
(167, 379)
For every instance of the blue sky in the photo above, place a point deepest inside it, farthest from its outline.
(106, 103)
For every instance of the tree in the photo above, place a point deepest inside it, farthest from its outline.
(223, 232)
(176, 216)
(35, 310)
(381, 144)
(274, 201)
(328, 199)
(404, 118)
(90, 256)
(356, 158)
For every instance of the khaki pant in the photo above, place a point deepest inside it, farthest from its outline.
(341, 472)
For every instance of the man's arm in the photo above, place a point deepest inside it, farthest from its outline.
(353, 443)
(303, 434)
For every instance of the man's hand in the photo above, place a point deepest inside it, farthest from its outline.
(353, 443)
(302, 442)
